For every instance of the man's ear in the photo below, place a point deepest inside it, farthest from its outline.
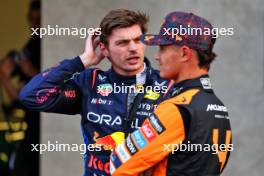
(186, 53)
(103, 49)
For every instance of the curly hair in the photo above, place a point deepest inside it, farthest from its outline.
(206, 57)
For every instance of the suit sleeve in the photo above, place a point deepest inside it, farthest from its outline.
(58, 89)
(151, 143)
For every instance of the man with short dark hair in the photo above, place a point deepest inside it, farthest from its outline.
(73, 87)
(188, 134)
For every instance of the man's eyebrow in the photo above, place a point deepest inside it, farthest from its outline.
(122, 40)
(126, 39)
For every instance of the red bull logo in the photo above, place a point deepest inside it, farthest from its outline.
(109, 142)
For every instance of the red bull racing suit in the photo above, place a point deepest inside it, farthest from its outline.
(70, 89)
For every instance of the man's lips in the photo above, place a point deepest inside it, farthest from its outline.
(133, 59)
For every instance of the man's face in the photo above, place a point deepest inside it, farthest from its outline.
(169, 57)
(126, 51)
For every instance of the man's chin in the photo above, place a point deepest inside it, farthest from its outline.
(134, 68)
(164, 75)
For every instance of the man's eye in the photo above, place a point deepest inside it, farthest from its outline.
(137, 40)
(122, 43)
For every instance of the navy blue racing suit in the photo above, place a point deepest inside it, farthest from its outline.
(70, 89)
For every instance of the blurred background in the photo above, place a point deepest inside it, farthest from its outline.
(20, 61)
(237, 74)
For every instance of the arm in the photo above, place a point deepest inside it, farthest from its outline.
(145, 147)
(48, 91)
(59, 89)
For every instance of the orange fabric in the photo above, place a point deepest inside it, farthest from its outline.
(94, 77)
(184, 98)
(153, 152)
(222, 154)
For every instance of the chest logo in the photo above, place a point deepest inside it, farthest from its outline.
(104, 89)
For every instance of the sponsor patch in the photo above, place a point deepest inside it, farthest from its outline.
(43, 94)
(218, 116)
(139, 139)
(151, 95)
(148, 131)
(215, 107)
(105, 119)
(122, 152)
(112, 168)
(70, 93)
(206, 83)
(95, 162)
(147, 106)
(143, 113)
(115, 160)
(130, 145)
(156, 124)
(101, 101)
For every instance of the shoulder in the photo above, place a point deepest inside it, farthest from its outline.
(184, 98)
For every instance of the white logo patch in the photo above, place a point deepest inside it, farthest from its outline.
(206, 83)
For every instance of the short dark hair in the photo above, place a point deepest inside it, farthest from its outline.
(206, 57)
(122, 18)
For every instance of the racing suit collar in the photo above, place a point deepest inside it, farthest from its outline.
(202, 82)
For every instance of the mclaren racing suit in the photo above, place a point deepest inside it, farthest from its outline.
(101, 100)
(187, 135)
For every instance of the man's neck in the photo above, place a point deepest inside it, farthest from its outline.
(189, 74)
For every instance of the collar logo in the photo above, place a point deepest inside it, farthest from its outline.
(177, 91)
(101, 78)
(160, 84)
(206, 83)
(151, 95)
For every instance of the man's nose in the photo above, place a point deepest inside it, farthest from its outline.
(132, 46)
